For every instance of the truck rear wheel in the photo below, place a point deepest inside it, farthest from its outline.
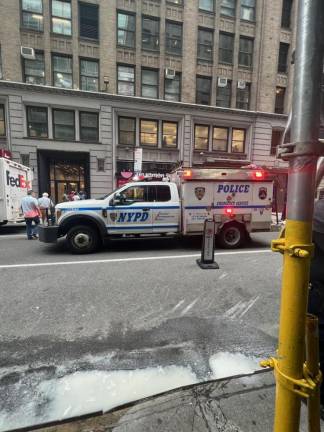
(232, 236)
(82, 239)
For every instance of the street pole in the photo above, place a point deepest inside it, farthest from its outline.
(292, 382)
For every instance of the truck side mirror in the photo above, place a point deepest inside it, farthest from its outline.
(119, 198)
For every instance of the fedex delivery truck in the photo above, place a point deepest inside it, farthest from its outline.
(238, 200)
(15, 180)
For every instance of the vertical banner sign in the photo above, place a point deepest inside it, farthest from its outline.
(138, 158)
(207, 260)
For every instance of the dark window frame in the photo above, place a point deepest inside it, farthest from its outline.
(22, 11)
(28, 121)
(99, 162)
(227, 140)
(88, 76)
(226, 7)
(283, 56)
(157, 133)
(247, 53)
(150, 85)
(173, 38)
(204, 45)
(249, 8)
(158, 20)
(122, 12)
(66, 19)
(208, 137)
(97, 126)
(3, 108)
(229, 88)
(53, 123)
(95, 6)
(207, 10)
(178, 74)
(238, 91)
(37, 52)
(177, 134)
(280, 108)
(118, 80)
(55, 54)
(286, 14)
(210, 88)
(221, 49)
(244, 140)
(135, 130)
(273, 148)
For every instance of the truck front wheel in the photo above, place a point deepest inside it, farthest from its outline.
(232, 236)
(82, 239)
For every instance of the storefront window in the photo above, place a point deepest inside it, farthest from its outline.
(170, 134)
(238, 140)
(63, 125)
(37, 125)
(201, 137)
(149, 132)
(220, 138)
(127, 131)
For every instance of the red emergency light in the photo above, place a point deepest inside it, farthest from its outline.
(229, 211)
(258, 175)
(187, 174)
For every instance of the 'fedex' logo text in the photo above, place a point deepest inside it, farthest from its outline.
(133, 217)
(19, 182)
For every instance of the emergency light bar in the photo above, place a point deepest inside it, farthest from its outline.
(224, 174)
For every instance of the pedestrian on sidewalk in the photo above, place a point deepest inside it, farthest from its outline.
(316, 292)
(45, 204)
(30, 208)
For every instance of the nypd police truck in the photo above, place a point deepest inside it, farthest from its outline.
(238, 200)
(15, 180)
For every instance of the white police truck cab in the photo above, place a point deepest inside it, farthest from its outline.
(238, 200)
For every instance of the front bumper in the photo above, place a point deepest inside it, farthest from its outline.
(48, 234)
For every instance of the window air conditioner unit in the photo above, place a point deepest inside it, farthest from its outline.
(241, 84)
(27, 53)
(222, 82)
(170, 73)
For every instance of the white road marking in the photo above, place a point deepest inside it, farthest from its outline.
(191, 305)
(117, 260)
(7, 236)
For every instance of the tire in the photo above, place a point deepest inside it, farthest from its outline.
(83, 239)
(232, 236)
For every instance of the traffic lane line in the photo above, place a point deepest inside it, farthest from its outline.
(118, 260)
(10, 236)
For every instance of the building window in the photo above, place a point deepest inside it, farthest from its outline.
(25, 160)
(286, 13)
(203, 90)
(150, 83)
(206, 5)
(126, 80)
(37, 123)
(88, 21)
(228, 8)
(275, 141)
(238, 140)
(220, 139)
(2, 121)
(248, 10)
(62, 71)
(127, 131)
(1, 72)
(176, 2)
(283, 58)
(61, 17)
(243, 97)
(126, 30)
(172, 88)
(89, 75)
(223, 96)
(34, 70)
(173, 38)
(169, 134)
(32, 14)
(205, 45)
(89, 126)
(201, 137)
(150, 33)
(280, 100)
(100, 165)
(149, 132)
(226, 46)
(246, 52)
(63, 125)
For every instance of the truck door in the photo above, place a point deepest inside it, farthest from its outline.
(133, 212)
(166, 209)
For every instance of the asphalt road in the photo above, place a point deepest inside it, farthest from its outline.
(133, 305)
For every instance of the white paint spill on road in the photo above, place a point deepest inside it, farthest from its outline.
(190, 306)
(249, 305)
(177, 306)
(222, 276)
(84, 392)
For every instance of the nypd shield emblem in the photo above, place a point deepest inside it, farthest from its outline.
(113, 216)
(200, 192)
(263, 193)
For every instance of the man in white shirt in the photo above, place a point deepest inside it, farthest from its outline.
(45, 204)
(30, 208)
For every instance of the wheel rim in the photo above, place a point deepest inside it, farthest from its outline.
(232, 236)
(82, 240)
